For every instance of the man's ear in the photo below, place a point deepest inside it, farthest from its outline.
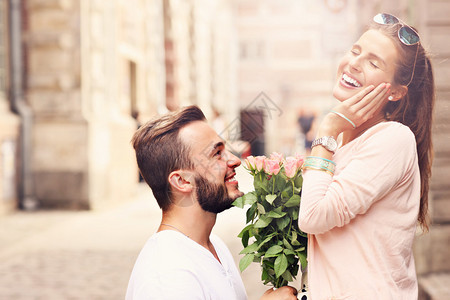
(398, 93)
(181, 181)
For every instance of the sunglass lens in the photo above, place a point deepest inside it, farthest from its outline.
(408, 36)
(385, 19)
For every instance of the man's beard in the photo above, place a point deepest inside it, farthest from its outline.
(212, 197)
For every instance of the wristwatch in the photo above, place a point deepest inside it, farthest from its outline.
(328, 142)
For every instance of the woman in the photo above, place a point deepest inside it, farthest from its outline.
(361, 201)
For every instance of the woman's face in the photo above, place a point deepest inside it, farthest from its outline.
(370, 61)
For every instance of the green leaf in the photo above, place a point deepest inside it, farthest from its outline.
(245, 238)
(249, 249)
(245, 261)
(251, 213)
(287, 244)
(294, 240)
(298, 182)
(246, 229)
(264, 276)
(289, 252)
(245, 234)
(283, 222)
(268, 238)
(300, 249)
(291, 258)
(280, 265)
(286, 194)
(293, 201)
(257, 258)
(280, 182)
(261, 208)
(239, 202)
(273, 251)
(250, 198)
(287, 276)
(270, 198)
(294, 213)
(294, 235)
(269, 265)
(260, 185)
(276, 213)
(263, 221)
(302, 258)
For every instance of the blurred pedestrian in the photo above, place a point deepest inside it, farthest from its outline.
(192, 177)
(306, 120)
(362, 199)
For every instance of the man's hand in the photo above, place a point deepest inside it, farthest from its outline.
(283, 293)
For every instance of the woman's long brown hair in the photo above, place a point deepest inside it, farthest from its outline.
(415, 109)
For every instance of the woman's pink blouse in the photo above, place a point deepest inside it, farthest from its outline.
(361, 222)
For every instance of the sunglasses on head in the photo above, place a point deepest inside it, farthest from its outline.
(406, 34)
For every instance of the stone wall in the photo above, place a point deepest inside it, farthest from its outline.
(433, 248)
(52, 89)
(87, 71)
(96, 69)
(9, 123)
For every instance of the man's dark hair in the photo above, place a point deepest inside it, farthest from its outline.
(160, 151)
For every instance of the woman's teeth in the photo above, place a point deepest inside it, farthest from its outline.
(350, 80)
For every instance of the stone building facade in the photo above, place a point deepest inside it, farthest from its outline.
(9, 122)
(433, 248)
(87, 73)
(288, 51)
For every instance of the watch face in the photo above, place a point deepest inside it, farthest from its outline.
(331, 144)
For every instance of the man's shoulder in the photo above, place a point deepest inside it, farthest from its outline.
(166, 249)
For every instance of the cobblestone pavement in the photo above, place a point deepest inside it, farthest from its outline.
(47, 255)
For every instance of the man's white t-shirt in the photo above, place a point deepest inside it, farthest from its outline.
(172, 266)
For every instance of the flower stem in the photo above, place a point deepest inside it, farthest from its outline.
(273, 185)
(293, 188)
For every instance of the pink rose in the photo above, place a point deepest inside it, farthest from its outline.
(259, 162)
(276, 156)
(291, 166)
(250, 163)
(272, 167)
(300, 159)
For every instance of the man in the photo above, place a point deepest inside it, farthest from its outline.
(191, 174)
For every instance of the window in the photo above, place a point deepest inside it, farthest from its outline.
(252, 50)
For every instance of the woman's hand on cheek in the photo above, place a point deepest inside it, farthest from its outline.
(358, 109)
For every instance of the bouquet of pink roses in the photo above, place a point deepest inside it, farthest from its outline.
(272, 237)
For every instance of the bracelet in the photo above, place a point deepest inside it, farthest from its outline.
(319, 163)
(312, 158)
(344, 117)
(318, 169)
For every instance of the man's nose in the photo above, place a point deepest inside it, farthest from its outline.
(232, 160)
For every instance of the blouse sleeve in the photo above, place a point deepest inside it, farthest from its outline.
(379, 163)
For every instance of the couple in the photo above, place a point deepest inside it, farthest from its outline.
(361, 199)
